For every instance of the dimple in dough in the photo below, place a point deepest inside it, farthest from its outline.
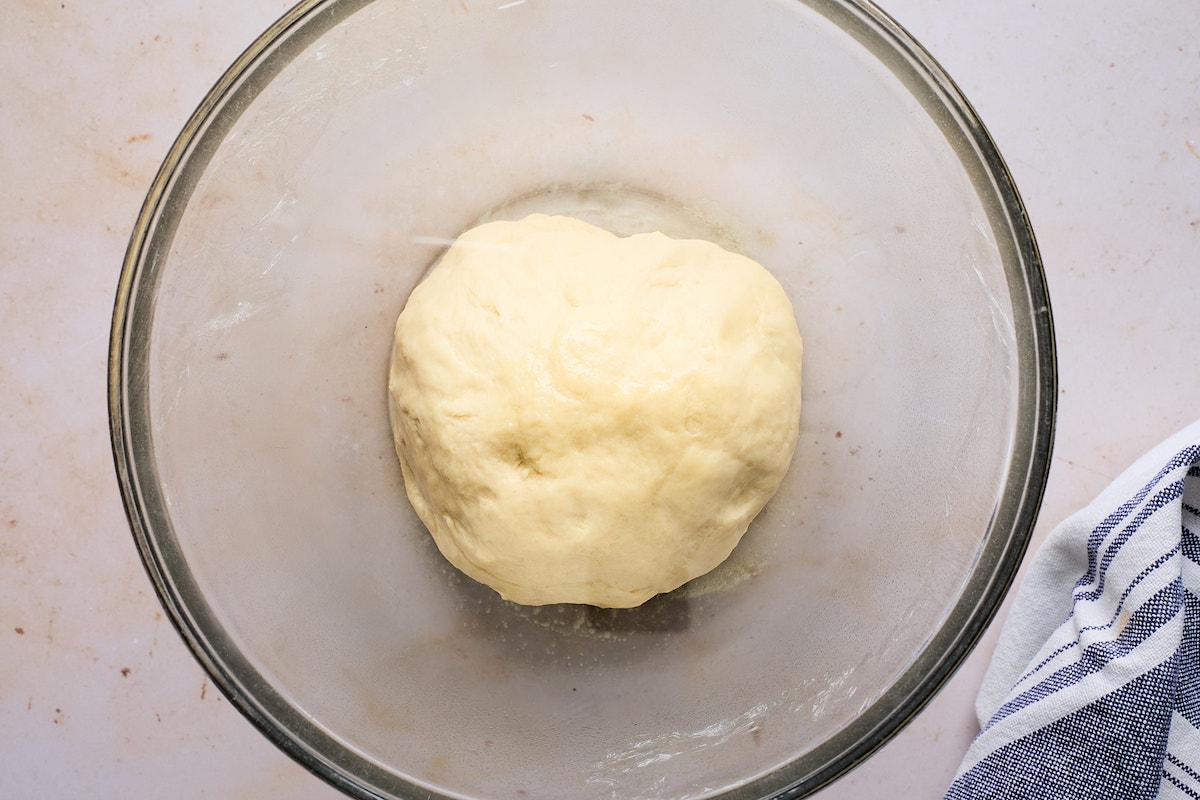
(585, 418)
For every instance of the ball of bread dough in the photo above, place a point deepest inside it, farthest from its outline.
(584, 418)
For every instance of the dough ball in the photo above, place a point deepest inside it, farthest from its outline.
(584, 418)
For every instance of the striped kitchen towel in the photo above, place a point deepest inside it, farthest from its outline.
(1094, 690)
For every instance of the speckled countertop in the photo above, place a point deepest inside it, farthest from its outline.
(1095, 105)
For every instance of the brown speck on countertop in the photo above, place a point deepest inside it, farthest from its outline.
(837, 435)
(589, 117)
(222, 356)
(204, 687)
(125, 672)
(12, 523)
(141, 137)
(19, 631)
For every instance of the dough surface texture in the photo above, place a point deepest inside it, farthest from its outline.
(586, 418)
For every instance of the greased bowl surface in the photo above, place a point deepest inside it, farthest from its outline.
(320, 180)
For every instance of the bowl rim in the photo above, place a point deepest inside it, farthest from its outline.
(979, 599)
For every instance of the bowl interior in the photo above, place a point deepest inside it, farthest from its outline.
(324, 176)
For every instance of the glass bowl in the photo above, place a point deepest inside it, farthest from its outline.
(321, 178)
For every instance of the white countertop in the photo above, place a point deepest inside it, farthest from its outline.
(1095, 106)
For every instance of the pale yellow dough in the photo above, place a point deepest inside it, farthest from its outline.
(583, 418)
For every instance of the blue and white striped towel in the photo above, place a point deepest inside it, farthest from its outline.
(1094, 691)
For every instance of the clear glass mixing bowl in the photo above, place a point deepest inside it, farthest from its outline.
(322, 177)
